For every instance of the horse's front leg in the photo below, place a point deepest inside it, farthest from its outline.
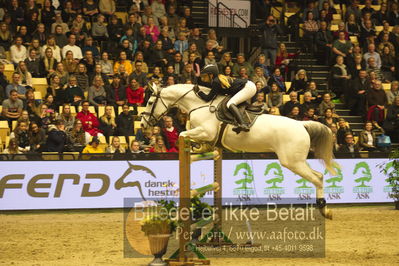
(197, 134)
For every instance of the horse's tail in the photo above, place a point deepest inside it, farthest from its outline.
(321, 142)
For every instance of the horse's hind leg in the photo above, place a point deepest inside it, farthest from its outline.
(302, 169)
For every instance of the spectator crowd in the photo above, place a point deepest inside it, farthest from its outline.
(98, 63)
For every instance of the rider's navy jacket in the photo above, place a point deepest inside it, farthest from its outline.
(217, 88)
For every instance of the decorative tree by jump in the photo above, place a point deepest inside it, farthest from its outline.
(366, 173)
(278, 174)
(248, 175)
(337, 178)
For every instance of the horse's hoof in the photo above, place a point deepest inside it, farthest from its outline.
(327, 213)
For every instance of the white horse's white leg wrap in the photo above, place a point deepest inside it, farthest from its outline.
(244, 94)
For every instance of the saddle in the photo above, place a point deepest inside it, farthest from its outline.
(249, 112)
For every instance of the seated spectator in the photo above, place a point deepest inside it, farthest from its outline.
(60, 39)
(12, 147)
(57, 91)
(18, 51)
(167, 42)
(68, 12)
(26, 77)
(189, 19)
(24, 117)
(182, 27)
(169, 132)
(352, 26)
(242, 73)
(148, 13)
(157, 74)
(158, 8)
(57, 138)
(210, 59)
(388, 64)
(341, 27)
(275, 97)
(90, 8)
(139, 56)
(89, 62)
(310, 115)
(135, 94)
(371, 53)
(106, 64)
(343, 129)
(152, 29)
(287, 107)
(15, 85)
(99, 29)
(316, 96)
(49, 101)
(339, 78)
(117, 92)
(74, 94)
(139, 75)
(124, 123)
(391, 123)
(376, 100)
(48, 63)
(70, 64)
(307, 101)
(393, 92)
(33, 64)
(67, 117)
(284, 59)
(89, 46)
(181, 45)
(261, 102)
(98, 74)
(195, 62)
(295, 113)
(107, 122)
(135, 147)
(107, 7)
(128, 44)
(59, 22)
(259, 76)
(213, 43)
(123, 61)
(300, 82)
(93, 147)
(326, 103)
(5, 36)
(160, 146)
(242, 63)
(329, 118)
(82, 77)
(228, 71)
(115, 146)
(37, 138)
(226, 60)
(366, 31)
(97, 93)
(188, 74)
(356, 100)
(354, 66)
(277, 78)
(77, 137)
(71, 46)
(173, 19)
(40, 34)
(21, 135)
(349, 148)
(323, 41)
(367, 138)
(89, 120)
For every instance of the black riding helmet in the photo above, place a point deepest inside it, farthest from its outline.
(210, 69)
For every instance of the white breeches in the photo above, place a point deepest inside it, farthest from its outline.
(244, 94)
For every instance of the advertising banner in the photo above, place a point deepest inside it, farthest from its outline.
(240, 8)
(104, 184)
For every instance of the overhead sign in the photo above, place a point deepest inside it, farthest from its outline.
(226, 10)
(28, 185)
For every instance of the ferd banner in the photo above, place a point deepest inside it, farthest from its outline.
(28, 185)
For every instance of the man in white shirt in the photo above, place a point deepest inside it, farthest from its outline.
(77, 52)
(18, 51)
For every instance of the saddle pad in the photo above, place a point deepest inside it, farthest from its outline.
(249, 112)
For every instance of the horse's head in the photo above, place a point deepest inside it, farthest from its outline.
(156, 108)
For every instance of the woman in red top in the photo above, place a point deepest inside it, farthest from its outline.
(89, 120)
(135, 93)
(284, 58)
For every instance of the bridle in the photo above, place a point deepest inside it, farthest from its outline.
(152, 119)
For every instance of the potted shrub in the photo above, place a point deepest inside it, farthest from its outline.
(391, 170)
(200, 216)
(158, 227)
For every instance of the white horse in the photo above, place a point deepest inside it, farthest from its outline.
(288, 138)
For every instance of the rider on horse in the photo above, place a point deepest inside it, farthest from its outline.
(241, 89)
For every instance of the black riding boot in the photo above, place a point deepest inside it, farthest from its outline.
(241, 125)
